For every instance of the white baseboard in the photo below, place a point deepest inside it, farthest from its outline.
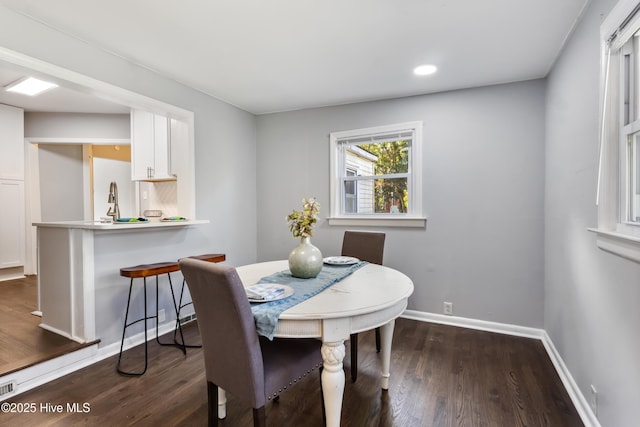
(580, 402)
(11, 273)
(481, 325)
(60, 332)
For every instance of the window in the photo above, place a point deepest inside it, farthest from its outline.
(618, 190)
(632, 179)
(630, 137)
(376, 176)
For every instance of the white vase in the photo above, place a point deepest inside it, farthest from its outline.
(305, 260)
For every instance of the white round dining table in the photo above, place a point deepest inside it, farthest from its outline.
(373, 296)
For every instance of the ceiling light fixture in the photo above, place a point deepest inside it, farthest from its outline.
(29, 86)
(425, 70)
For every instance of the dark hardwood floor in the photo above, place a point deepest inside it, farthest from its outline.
(22, 342)
(440, 376)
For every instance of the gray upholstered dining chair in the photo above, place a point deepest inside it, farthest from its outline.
(366, 246)
(248, 366)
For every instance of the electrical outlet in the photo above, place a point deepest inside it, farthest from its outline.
(161, 316)
(593, 401)
(448, 308)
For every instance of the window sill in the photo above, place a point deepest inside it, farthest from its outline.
(408, 222)
(619, 244)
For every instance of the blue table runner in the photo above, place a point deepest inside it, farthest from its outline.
(266, 314)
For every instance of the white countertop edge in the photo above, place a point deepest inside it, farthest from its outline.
(97, 225)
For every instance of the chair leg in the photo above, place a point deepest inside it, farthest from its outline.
(212, 404)
(377, 340)
(324, 414)
(259, 417)
(354, 357)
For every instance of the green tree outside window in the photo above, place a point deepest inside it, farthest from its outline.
(390, 194)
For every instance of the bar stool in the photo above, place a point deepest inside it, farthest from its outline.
(204, 257)
(144, 271)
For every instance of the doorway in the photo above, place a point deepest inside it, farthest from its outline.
(68, 180)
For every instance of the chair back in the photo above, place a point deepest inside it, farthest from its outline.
(232, 355)
(364, 245)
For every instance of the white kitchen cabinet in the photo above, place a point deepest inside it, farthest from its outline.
(12, 225)
(150, 147)
(11, 142)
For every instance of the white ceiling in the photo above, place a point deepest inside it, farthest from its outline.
(267, 56)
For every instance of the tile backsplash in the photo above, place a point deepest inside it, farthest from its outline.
(159, 196)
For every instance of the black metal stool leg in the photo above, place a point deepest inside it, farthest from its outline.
(173, 298)
(146, 317)
(179, 325)
(144, 271)
(177, 309)
(124, 330)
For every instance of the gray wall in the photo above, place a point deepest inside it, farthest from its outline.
(61, 182)
(591, 296)
(482, 191)
(225, 136)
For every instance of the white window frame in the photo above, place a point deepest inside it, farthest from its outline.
(615, 233)
(414, 216)
(355, 187)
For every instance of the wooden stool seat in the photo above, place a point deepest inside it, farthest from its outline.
(143, 271)
(210, 257)
(147, 270)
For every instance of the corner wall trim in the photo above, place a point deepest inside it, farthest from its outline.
(579, 401)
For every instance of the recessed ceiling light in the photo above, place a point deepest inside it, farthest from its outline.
(424, 70)
(29, 86)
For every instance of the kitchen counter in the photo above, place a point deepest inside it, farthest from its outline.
(98, 225)
(81, 294)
